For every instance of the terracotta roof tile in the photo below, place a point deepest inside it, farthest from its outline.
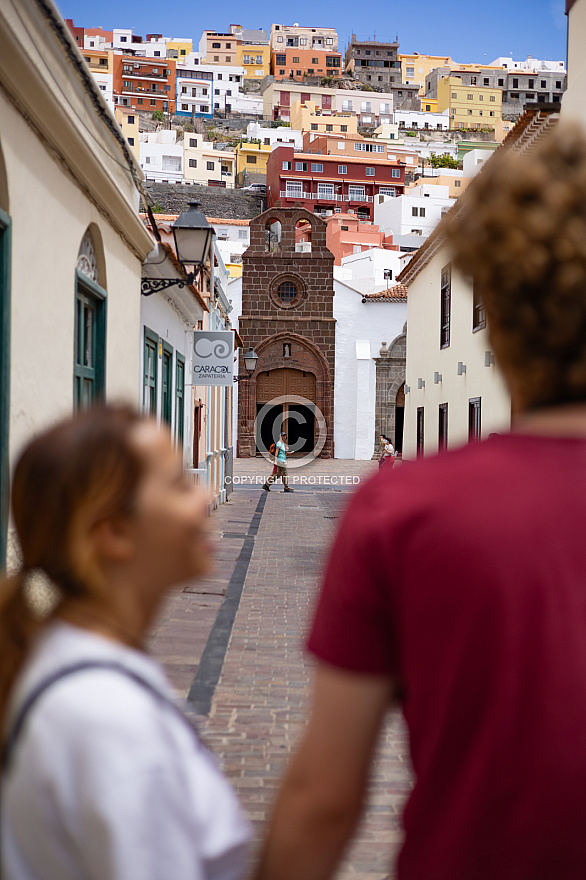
(397, 293)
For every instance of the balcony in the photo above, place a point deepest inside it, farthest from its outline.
(349, 198)
(126, 74)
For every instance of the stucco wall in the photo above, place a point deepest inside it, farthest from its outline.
(573, 100)
(370, 324)
(424, 358)
(50, 215)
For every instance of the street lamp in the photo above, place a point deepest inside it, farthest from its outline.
(250, 362)
(192, 234)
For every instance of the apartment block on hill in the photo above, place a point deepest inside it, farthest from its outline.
(370, 108)
(326, 184)
(295, 36)
(470, 106)
(101, 65)
(203, 163)
(299, 63)
(144, 83)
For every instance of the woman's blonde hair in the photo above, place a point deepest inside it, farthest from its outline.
(520, 232)
(82, 470)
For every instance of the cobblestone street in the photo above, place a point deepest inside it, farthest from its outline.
(233, 646)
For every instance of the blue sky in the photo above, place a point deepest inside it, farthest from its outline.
(467, 31)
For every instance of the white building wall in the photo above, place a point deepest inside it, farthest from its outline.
(365, 271)
(425, 358)
(161, 158)
(157, 313)
(361, 329)
(419, 119)
(105, 83)
(573, 100)
(397, 215)
(275, 136)
(247, 105)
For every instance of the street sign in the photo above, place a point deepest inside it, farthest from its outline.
(213, 362)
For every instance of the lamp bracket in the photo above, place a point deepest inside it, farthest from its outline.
(148, 286)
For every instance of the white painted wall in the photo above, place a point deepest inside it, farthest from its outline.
(361, 329)
(424, 358)
(276, 136)
(365, 271)
(160, 316)
(573, 99)
(397, 215)
(248, 105)
(420, 119)
(161, 158)
(105, 83)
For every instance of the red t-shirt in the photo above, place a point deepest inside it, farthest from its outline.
(464, 576)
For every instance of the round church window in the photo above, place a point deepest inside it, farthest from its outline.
(287, 291)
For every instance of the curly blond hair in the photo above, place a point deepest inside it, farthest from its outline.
(521, 233)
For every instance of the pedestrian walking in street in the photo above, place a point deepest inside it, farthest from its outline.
(280, 459)
(461, 594)
(387, 456)
(102, 776)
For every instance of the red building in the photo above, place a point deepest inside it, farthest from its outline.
(144, 83)
(328, 184)
(76, 32)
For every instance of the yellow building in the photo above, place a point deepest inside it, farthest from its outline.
(128, 121)
(205, 165)
(429, 105)
(179, 48)
(251, 159)
(255, 58)
(307, 116)
(415, 67)
(469, 106)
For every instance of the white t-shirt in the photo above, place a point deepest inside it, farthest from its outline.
(108, 783)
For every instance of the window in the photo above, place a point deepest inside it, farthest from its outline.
(210, 166)
(139, 101)
(420, 425)
(315, 60)
(131, 141)
(501, 83)
(481, 97)
(422, 212)
(387, 191)
(366, 106)
(454, 96)
(329, 127)
(216, 91)
(342, 169)
(415, 212)
(325, 190)
(193, 142)
(531, 84)
(558, 84)
(356, 249)
(259, 59)
(153, 103)
(242, 234)
(369, 171)
(396, 172)
(493, 98)
(314, 126)
(443, 428)
(90, 342)
(543, 84)
(486, 81)
(251, 160)
(131, 120)
(149, 397)
(515, 83)
(301, 166)
(294, 189)
(295, 60)
(445, 305)
(474, 420)
(280, 60)
(216, 58)
(216, 45)
(228, 59)
(356, 193)
(470, 113)
(317, 167)
(287, 291)
(179, 399)
(286, 166)
(167, 383)
(193, 163)
(457, 183)
(346, 105)
(470, 97)
(478, 312)
(343, 128)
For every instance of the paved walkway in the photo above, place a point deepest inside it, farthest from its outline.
(233, 645)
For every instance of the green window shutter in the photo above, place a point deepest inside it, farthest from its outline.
(5, 253)
(149, 399)
(179, 398)
(167, 380)
(89, 370)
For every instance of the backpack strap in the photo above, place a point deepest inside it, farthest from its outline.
(37, 692)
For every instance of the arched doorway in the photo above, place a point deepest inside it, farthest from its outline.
(294, 394)
(399, 418)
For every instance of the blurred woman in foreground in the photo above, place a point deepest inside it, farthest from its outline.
(102, 775)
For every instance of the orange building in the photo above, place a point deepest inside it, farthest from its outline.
(144, 83)
(297, 63)
(344, 233)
